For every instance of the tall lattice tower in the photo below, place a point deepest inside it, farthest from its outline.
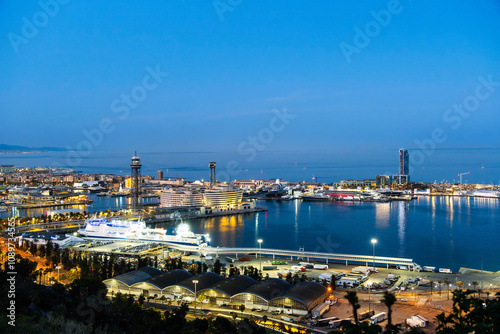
(213, 180)
(136, 181)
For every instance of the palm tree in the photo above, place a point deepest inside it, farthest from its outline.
(242, 308)
(388, 300)
(475, 284)
(440, 282)
(352, 298)
(432, 285)
(460, 284)
(447, 282)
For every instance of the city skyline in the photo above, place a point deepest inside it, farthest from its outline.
(402, 84)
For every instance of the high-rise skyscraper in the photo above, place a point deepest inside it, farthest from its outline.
(404, 162)
(159, 175)
(135, 167)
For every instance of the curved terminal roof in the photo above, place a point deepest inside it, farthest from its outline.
(232, 285)
(204, 281)
(136, 276)
(168, 278)
(304, 292)
(269, 288)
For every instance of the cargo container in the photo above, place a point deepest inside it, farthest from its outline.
(324, 321)
(428, 269)
(335, 323)
(421, 321)
(320, 266)
(230, 259)
(278, 263)
(366, 315)
(412, 323)
(320, 309)
(269, 267)
(445, 271)
(378, 318)
(298, 268)
(245, 258)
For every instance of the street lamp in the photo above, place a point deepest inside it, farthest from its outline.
(260, 253)
(369, 299)
(374, 241)
(195, 281)
(58, 268)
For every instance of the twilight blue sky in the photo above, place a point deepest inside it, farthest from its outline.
(227, 75)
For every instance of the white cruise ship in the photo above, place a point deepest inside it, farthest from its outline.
(101, 228)
(486, 193)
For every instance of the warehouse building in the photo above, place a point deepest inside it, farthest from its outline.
(186, 288)
(156, 284)
(123, 283)
(300, 298)
(259, 294)
(224, 290)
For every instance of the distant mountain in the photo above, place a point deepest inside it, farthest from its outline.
(4, 148)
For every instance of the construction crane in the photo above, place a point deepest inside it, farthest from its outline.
(461, 174)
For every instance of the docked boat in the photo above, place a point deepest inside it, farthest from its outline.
(102, 228)
(486, 193)
(319, 197)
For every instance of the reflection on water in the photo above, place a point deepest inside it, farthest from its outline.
(434, 231)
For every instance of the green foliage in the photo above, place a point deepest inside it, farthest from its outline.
(470, 315)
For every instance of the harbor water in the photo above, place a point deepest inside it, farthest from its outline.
(444, 231)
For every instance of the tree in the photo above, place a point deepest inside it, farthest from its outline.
(447, 282)
(460, 284)
(242, 308)
(388, 300)
(352, 298)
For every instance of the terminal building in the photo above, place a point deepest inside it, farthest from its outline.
(300, 298)
(261, 293)
(215, 199)
(270, 294)
(224, 290)
(123, 283)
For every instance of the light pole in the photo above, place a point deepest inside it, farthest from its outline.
(58, 267)
(260, 253)
(195, 281)
(374, 241)
(369, 298)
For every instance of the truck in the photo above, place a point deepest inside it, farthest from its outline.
(298, 268)
(445, 271)
(360, 270)
(306, 265)
(421, 321)
(269, 267)
(230, 259)
(412, 323)
(324, 321)
(348, 281)
(285, 318)
(335, 323)
(320, 309)
(325, 276)
(320, 266)
(365, 315)
(429, 269)
(377, 318)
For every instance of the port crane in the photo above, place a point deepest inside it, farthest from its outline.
(461, 174)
